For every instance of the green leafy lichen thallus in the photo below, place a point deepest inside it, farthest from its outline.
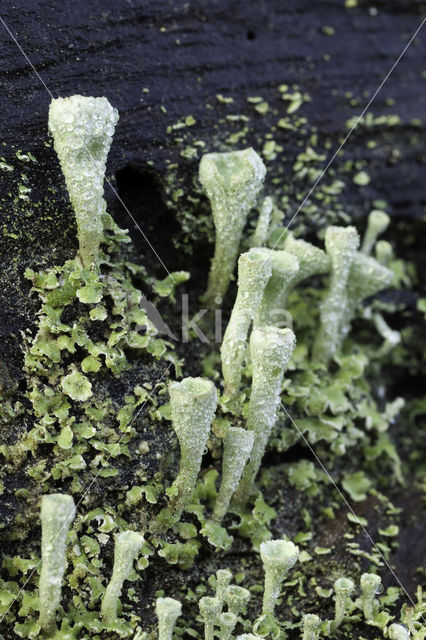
(193, 404)
(311, 626)
(254, 271)
(82, 129)
(237, 447)
(231, 182)
(270, 350)
(168, 611)
(378, 221)
(209, 609)
(284, 269)
(260, 234)
(57, 513)
(278, 557)
(370, 587)
(341, 245)
(343, 588)
(126, 550)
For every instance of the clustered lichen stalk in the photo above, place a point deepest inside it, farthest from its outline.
(260, 234)
(254, 271)
(57, 513)
(193, 404)
(341, 245)
(231, 182)
(82, 130)
(270, 350)
(127, 547)
(237, 446)
(284, 269)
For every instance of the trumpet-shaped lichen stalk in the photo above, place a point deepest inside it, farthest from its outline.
(284, 269)
(254, 271)
(209, 609)
(278, 557)
(398, 632)
(231, 182)
(223, 580)
(367, 277)
(341, 245)
(370, 587)
(168, 611)
(378, 222)
(57, 513)
(260, 234)
(343, 588)
(193, 404)
(270, 350)
(311, 627)
(237, 599)
(237, 447)
(312, 260)
(227, 622)
(82, 130)
(126, 550)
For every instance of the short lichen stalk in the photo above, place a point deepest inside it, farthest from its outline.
(370, 586)
(127, 547)
(341, 245)
(254, 271)
(168, 611)
(223, 580)
(237, 447)
(378, 222)
(278, 557)
(237, 599)
(284, 269)
(82, 129)
(57, 513)
(231, 182)
(270, 350)
(209, 609)
(311, 626)
(193, 404)
(227, 622)
(343, 588)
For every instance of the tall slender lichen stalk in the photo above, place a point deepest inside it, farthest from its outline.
(231, 182)
(57, 513)
(270, 350)
(341, 245)
(223, 580)
(237, 447)
(278, 557)
(284, 269)
(254, 271)
(260, 234)
(343, 588)
(378, 222)
(168, 611)
(193, 404)
(127, 547)
(82, 129)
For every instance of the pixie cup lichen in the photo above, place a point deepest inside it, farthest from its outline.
(284, 268)
(341, 244)
(168, 611)
(343, 588)
(237, 447)
(57, 513)
(127, 547)
(82, 129)
(278, 557)
(311, 626)
(254, 271)
(193, 404)
(378, 221)
(237, 598)
(223, 580)
(231, 181)
(260, 234)
(227, 622)
(209, 609)
(270, 350)
(370, 586)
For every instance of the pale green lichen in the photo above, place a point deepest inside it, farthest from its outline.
(231, 182)
(343, 588)
(168, 611)
(237, 599)
(209, 609)
(227, 622)
(311, 626)
(278, 557)
(270, 350)
(126, 550)
(272, 308)
(82, 129)
(370, 587)
(57, 513)
(260, 234)
(223, 580)
(254, 271)
(378, 221)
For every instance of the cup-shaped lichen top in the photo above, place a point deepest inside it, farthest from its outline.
(168, 611)
(57, 513)
(278, 557)
(378, 222)
(343, 588)
(231, 182)
(82, 129)
(370, 586)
